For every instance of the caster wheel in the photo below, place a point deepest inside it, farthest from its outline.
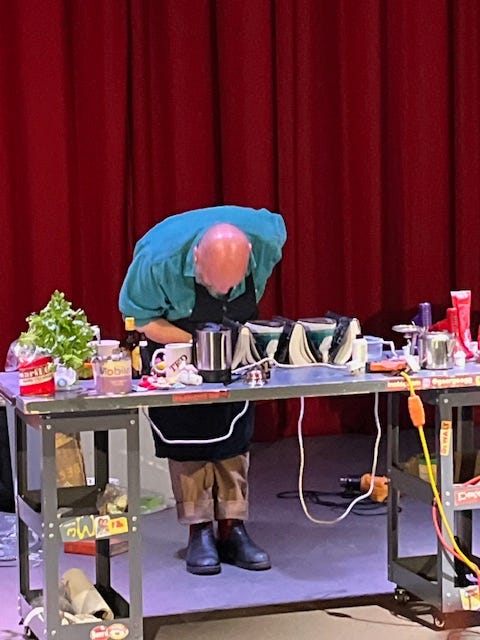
(401, 596)
(438, 621)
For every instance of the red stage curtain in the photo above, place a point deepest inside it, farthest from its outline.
(358, 121)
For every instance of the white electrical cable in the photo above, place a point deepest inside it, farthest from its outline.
(66, 618)
(311, 364)
(253, 365)
(206, 440)
(302, 466)
(287, 366)
(36, 612)
(239, 370)
(300, 442)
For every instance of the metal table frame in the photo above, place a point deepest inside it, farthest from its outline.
(38, 510)
(433, 578)
(84, 410)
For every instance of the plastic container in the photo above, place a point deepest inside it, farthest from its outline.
(374, 348)
(360, 349)
(424, 316)
(459, 359)
(113, 374)
(8, 539)
(423, 469)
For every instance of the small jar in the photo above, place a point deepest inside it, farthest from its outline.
(459, 359)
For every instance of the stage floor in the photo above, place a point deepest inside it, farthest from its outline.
(314, 566)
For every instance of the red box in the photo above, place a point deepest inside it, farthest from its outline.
(87, 547)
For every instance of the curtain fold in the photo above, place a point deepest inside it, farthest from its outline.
(464, 102)
(358, 121)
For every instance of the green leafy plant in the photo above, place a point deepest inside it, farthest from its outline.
(61, 331)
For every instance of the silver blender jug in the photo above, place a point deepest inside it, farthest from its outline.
(213, 352)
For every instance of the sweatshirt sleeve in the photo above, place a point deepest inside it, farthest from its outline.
(142, 295)
(267, 250)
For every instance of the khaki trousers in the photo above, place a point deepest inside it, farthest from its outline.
(205, 491)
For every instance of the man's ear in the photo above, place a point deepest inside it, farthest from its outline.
(195, 254)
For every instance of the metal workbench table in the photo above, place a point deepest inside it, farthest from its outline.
(83, 410)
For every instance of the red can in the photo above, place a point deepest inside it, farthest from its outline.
(36, 377)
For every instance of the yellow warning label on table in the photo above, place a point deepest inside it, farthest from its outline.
(470, 597)
(445, 437)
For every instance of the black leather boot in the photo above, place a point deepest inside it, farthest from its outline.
(202, 556)
(236, 547)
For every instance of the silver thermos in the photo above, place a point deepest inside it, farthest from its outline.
(213, 352)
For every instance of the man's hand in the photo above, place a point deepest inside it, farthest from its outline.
(160, 330)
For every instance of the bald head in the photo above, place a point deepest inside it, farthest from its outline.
(221, 258)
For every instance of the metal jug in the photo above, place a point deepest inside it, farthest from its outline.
(435, 349)
(213, 352)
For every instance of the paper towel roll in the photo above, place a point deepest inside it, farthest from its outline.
(84, 597)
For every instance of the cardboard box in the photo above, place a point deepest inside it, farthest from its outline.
(87, 547)
(466, 465)
(69, 460)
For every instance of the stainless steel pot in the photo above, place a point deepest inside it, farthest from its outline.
(213, 352)
(435, 349)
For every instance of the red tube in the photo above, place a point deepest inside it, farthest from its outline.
(462, 302)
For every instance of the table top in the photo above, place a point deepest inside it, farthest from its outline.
(307, 381)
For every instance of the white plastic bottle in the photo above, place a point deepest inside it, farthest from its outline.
(360, 350)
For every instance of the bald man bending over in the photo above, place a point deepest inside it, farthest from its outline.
(204, 266)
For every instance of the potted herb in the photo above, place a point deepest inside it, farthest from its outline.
(63, 332)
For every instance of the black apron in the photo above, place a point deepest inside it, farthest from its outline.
(207, 420)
